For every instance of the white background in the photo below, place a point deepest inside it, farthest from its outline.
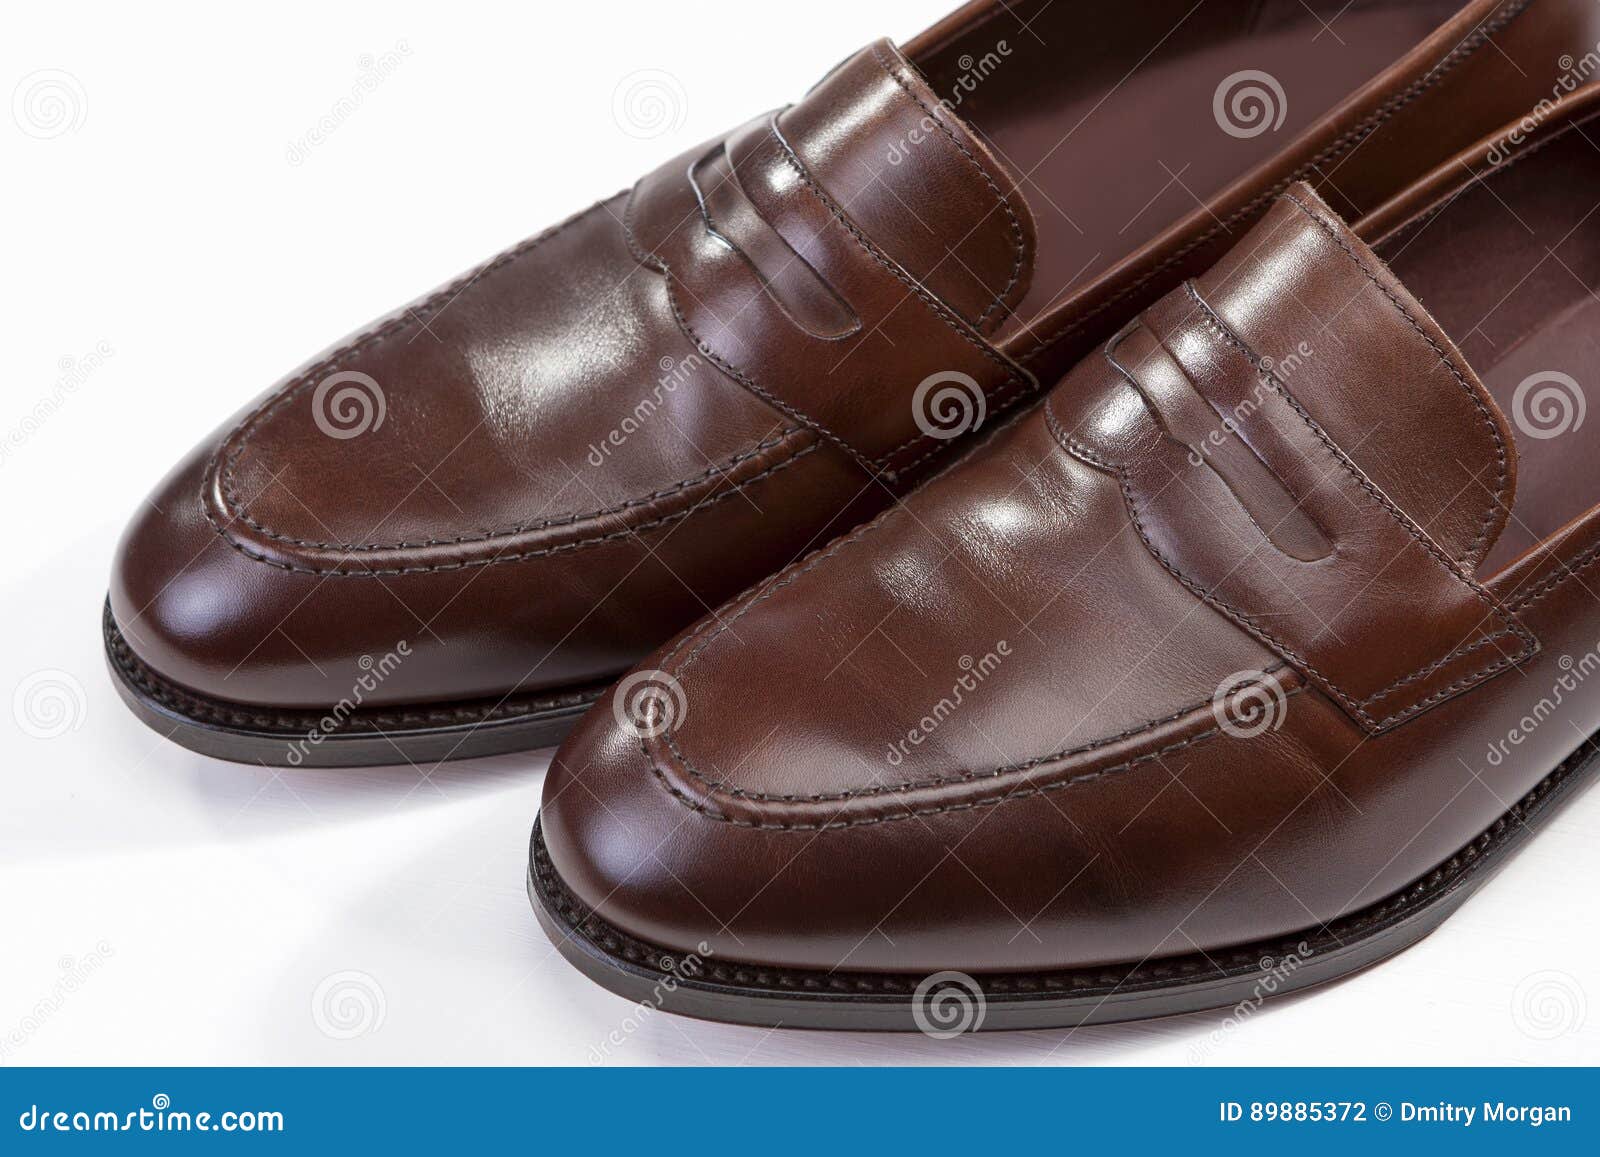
(160, 907)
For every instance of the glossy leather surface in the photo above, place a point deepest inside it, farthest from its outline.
(1198, 653)
(541, 471)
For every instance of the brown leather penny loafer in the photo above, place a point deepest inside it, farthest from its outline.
(447, 534)
(1259, 645)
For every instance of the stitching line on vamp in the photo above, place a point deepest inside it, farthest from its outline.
(545, 524)
(1021, 792)
(705, 635)
(713, 626)
(1221, 329)
(1210, 598)
(1561, 573)
(966, 776)
(1530, 644)
(465, 564)
(242, 432)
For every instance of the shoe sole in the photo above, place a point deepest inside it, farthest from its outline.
(363, 737)
(711, 988)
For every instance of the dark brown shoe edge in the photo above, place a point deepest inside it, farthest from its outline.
(739, 993)
(363, 737)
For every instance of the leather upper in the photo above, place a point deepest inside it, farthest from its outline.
(520, 470)
(538, 472)
(1194, 655)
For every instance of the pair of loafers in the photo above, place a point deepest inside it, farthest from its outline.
(1057, 517)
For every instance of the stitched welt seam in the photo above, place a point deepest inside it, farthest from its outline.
(363, 721)
(578, 914)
